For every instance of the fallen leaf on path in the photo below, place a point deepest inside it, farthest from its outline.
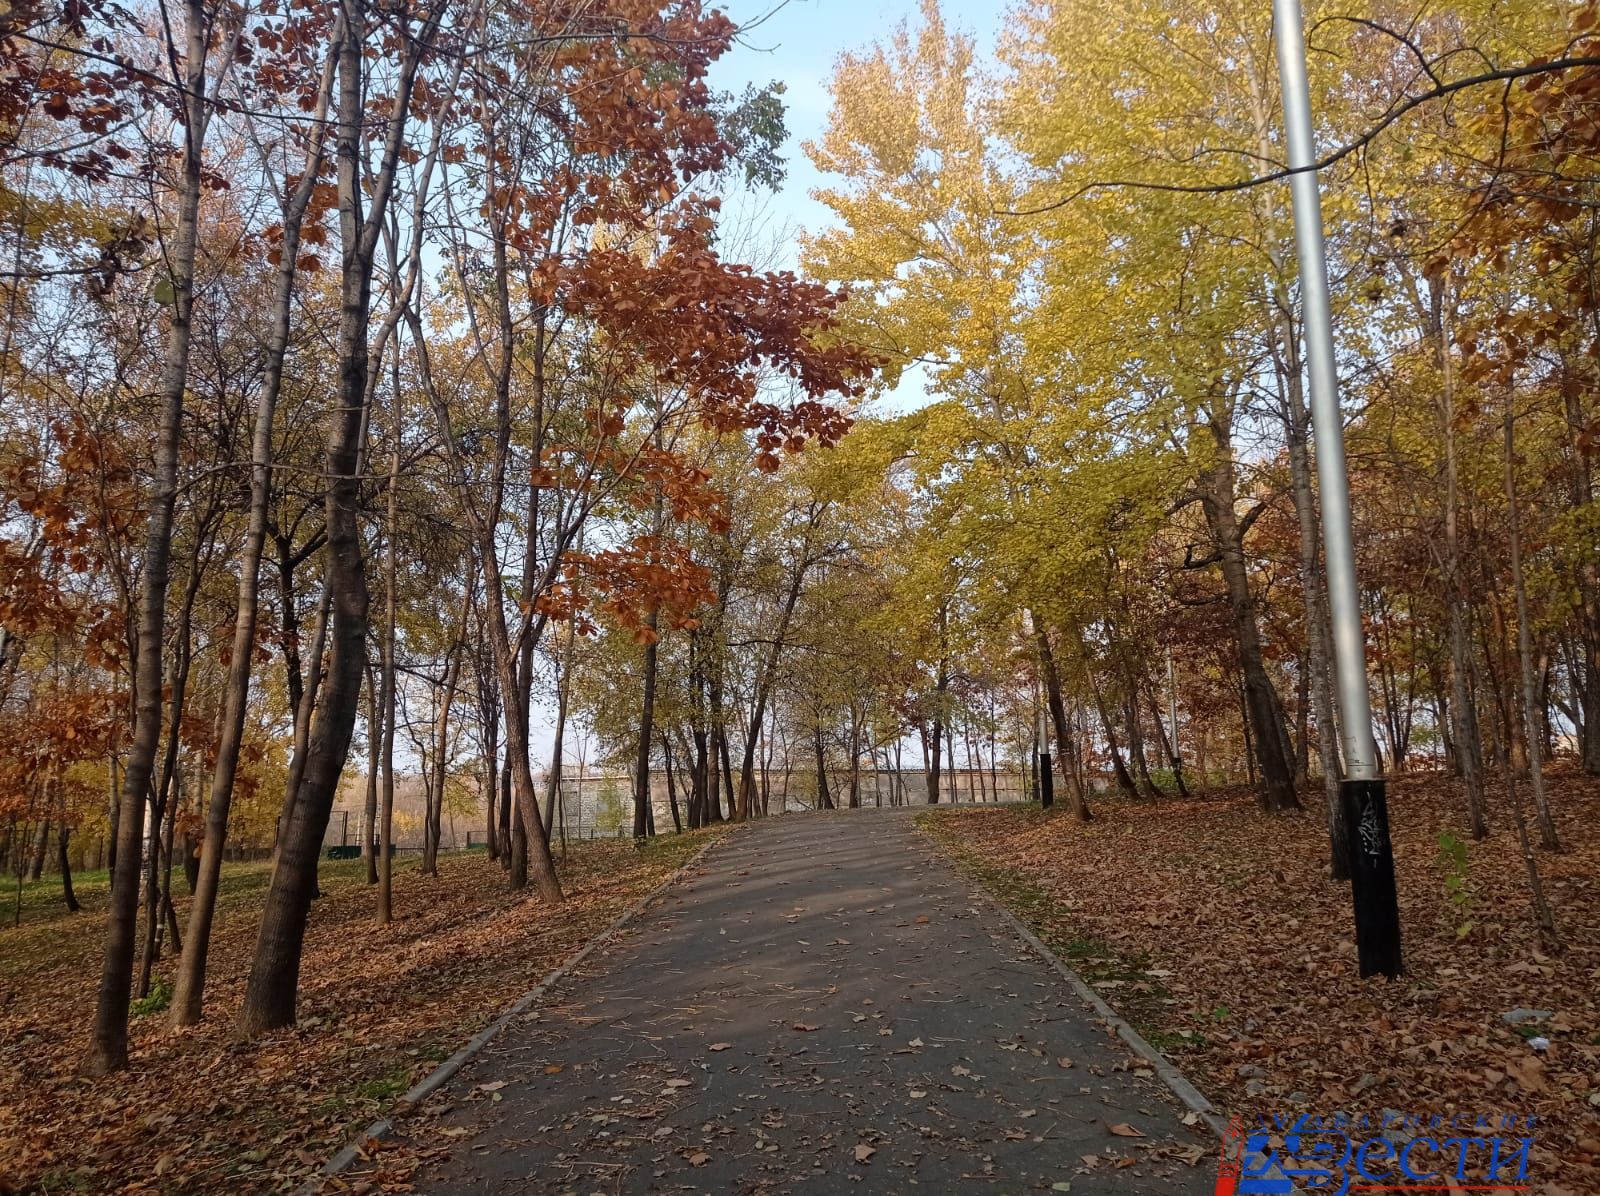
(719, 1046)
(864, 1152)
(698, 1159)
(804, 1027)
(1123, 1130)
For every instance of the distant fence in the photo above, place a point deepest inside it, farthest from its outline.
(600, 806)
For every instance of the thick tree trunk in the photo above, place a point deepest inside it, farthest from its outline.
(41, 847)
(824, 799)
(64, 862)
(1260, 699)
(1468, 737)
(273, 986)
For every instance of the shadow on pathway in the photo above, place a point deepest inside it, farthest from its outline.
(824, 1006)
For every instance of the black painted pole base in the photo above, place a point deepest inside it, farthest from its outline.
(1372, 888)
(1047, 783)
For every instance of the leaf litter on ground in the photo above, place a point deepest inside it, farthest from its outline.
(1228, 945)
(379, 1008)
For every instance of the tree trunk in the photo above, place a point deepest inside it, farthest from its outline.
(647, 714)
(188, 994)
(1260, 701)
(1169, 746)
(552, 792)
(65, 865)
(1141, 766)
(1066, 742)
(1548, 839)
(386, 687)
(1288, 366)
(369, 809)
(272, 990)
(824, 799)
(108, 1049)
(304, 709)
(1119, 770)
(41, 846)
(1468, 738)
(672, 793)
(441, 748)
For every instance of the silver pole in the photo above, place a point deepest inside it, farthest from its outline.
(1344, 605)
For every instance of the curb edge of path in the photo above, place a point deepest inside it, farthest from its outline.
(1180, 1085)
(442, 1074)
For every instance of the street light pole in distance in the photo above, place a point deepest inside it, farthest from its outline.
(1372, 887)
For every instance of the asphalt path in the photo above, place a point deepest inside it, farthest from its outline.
(823, 1005)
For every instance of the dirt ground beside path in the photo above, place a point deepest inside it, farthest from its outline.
(825, 1006)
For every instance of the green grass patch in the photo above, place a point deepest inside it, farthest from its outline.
(159, 997)
(382, 1089)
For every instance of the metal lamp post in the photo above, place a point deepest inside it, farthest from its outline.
(1377, 913)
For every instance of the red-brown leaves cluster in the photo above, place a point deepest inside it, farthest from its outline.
(715, 329)
(685, 488)
(1216, 930)
(647, 576)
(61, 509)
